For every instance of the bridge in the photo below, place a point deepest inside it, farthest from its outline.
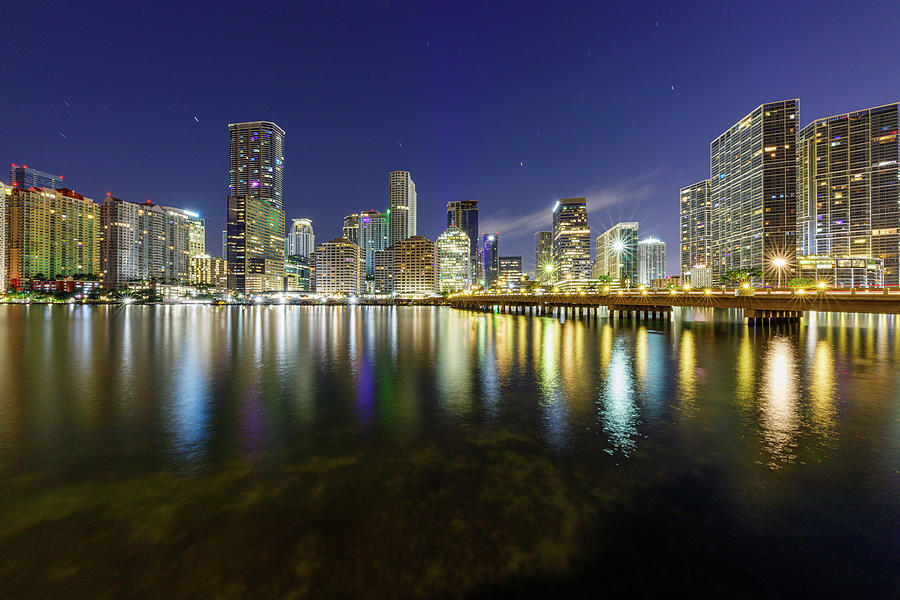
(758, 307)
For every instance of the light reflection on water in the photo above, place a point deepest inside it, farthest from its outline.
(120, 394)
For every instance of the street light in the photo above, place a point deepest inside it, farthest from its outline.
(779, 263)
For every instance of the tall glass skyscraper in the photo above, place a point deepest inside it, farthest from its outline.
(373, 236)
(489, 259)
(256, 247)
(301, 240)
(617, 254)
(753, 174)
(401, 206)
(695, 227)
(571, 239)
(543, 255)
(454, 270)
(651, 254)
(23, 177)
(849, 187)
(464, 214)
(350, 229)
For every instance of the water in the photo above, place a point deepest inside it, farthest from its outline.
(281, 451)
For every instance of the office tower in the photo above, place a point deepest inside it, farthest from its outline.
(23, 177)
(51, 234)
(489, 259)
(848, 188)
(464, 214)
(617, 254)
(350, 229)
(255, 251)
(297, 274)
(510, 271)
(753, 174)
(571, 239)
(651, 254)
(197, 230)
(142, 243)
(454, 266)
(208, 271)
(373, 236)
(224, 243)
(695, 216)
(5, 192)
(415, 267)
(543, 256)
(301, 241)
(401, 206)
(338, 268)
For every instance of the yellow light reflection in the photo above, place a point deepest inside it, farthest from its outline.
(780, 418)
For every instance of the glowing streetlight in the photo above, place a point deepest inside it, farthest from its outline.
(779, 264)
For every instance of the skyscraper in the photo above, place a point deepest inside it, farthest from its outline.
(651, 260)
(617, 254)
(415, 267)
(510, 271)
(695, 230)
(401, 206)
(454, 269)
(848, 201)
(350, 230)
(489, 259)
(338, 268)
(753, 174)
(373, 236)
(255, 207)
(23, 177)
(543, 255)
(571, 239)
(197, 241)
(301, 241)
(464, 214)
(5, 192)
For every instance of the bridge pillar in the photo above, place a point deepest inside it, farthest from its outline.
(757, 316)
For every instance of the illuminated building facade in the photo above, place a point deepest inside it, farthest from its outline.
(651, 254)
(617, 254)
(51, 234)
(23, 177)
(196, 230)
(415, 269)
(301, 240)
(543, 256)
(339, 270)
(464, 214)
(454, 267)
(849, 188)
(256, 238)
(401, 206)
(209, 271)
(753, 191)
(571, 239)
(510, 271)
(488, 259)
(695, 216)
(297, 274)
(842, 271)
(5, 192)
(373, 236)
(350, 230)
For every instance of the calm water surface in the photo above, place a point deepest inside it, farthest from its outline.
(293, 452)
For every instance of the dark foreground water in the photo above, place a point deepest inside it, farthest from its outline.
(289, 452)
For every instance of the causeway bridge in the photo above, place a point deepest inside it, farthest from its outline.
(758, 307)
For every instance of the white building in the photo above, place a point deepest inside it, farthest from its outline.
(453, 250)
(402, 206)
(301, 241)
(339, 268)
(651, 260)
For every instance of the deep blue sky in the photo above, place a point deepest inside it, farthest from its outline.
(514, 104)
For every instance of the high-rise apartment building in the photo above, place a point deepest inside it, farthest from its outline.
(695, 215)
(23, 177)
(415, 267)
(143, 242)
(571, 239)
(350, 230)
(543, 256)
(301, 240)
(510, 271)
(5, 192)
(256, 246)
(651, 254)
(753, 175)
(373, 236)
(208, 271)
(197, 230)
(51, 234)
(454, 267)
(338, 268)
(401, 206)
(488, 259)
(617, 254)
(464, 214)
(848, 201)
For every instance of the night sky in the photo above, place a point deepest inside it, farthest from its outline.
(512, 104)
